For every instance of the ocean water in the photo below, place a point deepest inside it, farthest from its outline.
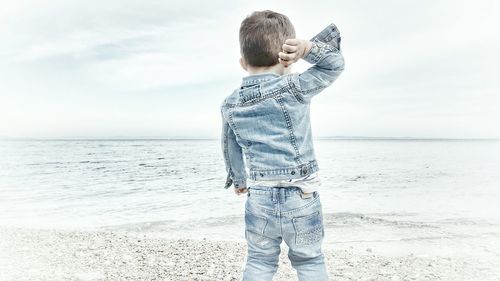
(402, 192)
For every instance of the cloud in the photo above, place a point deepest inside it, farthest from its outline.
(429, 64)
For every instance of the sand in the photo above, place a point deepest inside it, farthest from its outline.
(41, 254)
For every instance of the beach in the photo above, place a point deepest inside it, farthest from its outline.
(42, 254)
(122, 123)
(157, 210)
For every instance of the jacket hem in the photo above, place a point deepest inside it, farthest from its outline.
(285, 173)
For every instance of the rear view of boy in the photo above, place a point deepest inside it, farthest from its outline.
(266, 127)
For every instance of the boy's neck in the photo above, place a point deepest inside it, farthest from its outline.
(277, 69)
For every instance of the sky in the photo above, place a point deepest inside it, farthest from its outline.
(161, 69)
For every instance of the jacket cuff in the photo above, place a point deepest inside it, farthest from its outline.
(237, 182)
(316, 52)
(327, 39)
(330, 36)
(229, 181)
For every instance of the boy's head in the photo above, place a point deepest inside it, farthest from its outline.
(261, 36)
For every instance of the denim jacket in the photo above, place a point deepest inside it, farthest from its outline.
(266, 122)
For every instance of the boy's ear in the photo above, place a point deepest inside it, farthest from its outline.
(243, 63)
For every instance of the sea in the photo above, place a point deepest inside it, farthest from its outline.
(425, 196)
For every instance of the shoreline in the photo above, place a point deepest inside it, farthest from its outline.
(52, 254)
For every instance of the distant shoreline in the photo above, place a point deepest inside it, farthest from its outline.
(356, 138)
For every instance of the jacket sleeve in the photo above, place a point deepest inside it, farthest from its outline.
(328, 61)
(233, 158)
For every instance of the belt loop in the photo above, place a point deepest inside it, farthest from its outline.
(282, 195)
(273, 194)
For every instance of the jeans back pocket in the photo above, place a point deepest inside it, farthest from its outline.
(255, 225)
(308, 228)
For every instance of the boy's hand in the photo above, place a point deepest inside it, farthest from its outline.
(293, 50)
(240, 190)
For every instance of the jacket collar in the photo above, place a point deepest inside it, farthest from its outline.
(258, 78)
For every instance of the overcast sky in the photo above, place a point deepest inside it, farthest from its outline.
(162, 68)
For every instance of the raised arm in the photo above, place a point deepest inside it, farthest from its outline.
(323, 50)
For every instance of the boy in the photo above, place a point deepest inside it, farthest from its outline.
(267, 120)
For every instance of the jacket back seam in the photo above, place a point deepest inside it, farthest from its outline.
(295, 91)
(235, 130)
(290, 128)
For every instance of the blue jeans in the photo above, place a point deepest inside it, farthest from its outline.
(273, 214)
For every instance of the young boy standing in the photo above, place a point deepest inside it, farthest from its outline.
(266, 127)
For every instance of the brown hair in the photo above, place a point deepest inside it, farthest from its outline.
(261, 35)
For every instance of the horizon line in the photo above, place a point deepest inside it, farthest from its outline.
(124, 138)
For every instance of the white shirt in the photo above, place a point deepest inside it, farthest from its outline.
(307, 184)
